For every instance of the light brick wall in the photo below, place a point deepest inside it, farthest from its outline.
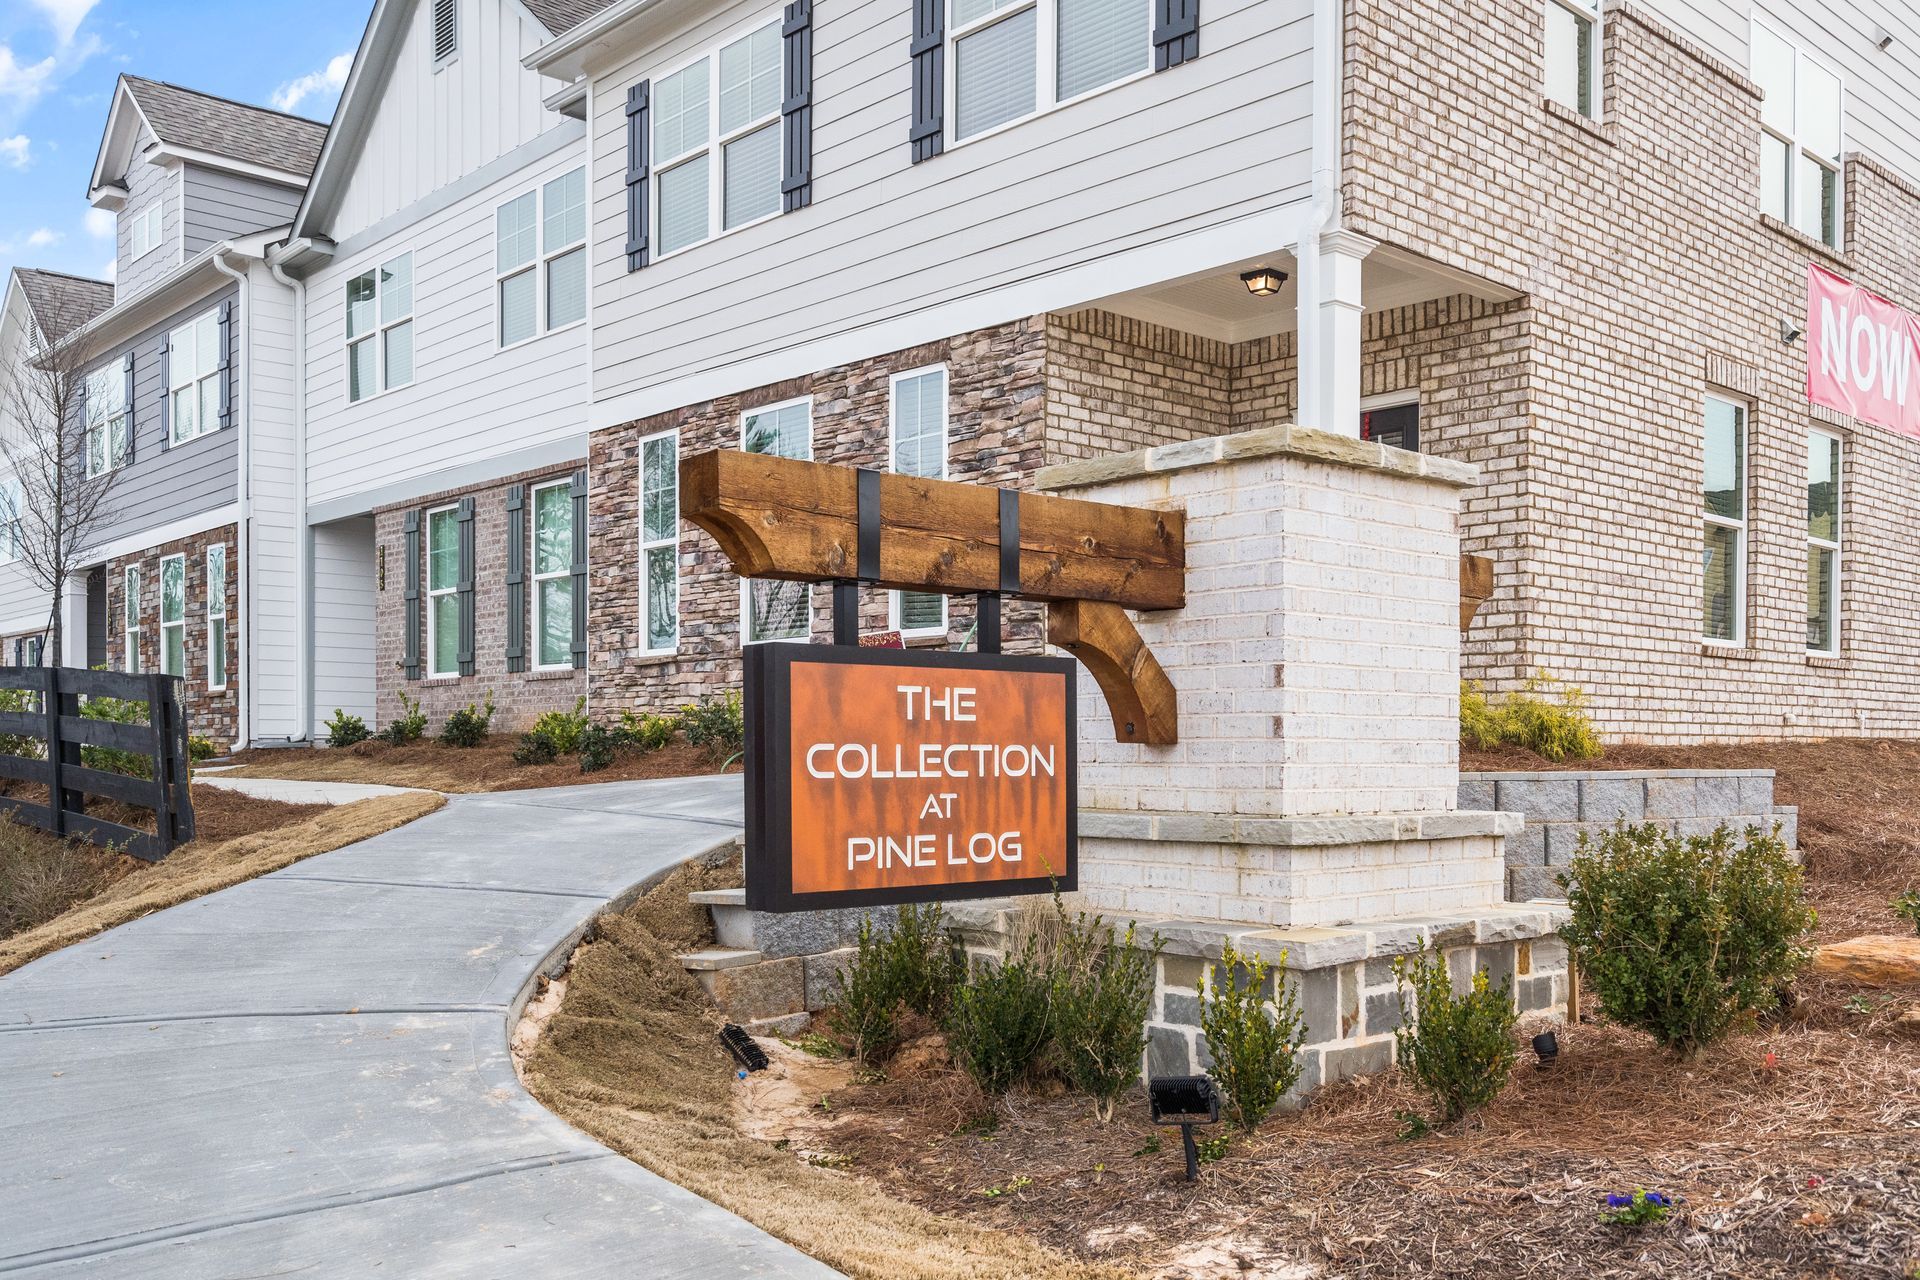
(213, 712)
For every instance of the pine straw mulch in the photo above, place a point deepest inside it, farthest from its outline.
(487, 767)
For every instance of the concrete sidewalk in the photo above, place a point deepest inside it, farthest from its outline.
(307, 1074)
(294, 791)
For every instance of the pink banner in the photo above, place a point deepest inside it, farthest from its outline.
(1863, 354)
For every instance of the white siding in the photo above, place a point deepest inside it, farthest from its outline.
(1197, 147)
(1718, 26)
(272, 548)
(23, 605)
(343, 609)
(433, 126)
(146, 183)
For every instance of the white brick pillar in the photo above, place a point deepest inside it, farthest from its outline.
(1330, 309)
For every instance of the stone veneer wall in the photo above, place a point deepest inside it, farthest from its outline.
(1561, 807)
(213, 712)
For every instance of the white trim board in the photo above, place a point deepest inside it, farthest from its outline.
(468, 475)
(146, 539)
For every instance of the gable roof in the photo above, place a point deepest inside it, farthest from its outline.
(62, 303)
(561, 16)
(202, 122)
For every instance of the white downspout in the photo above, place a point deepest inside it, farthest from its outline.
(303, 560)
(243, 406)
(1329, 62)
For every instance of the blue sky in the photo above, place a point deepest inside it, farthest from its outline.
(58, 63)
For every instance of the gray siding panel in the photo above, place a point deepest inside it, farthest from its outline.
(145, 184)
(221, 206)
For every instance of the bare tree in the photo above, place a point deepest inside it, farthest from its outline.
(49, 431)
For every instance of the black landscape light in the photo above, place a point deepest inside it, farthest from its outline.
(1185, 1101)
(1546, 1046)
(1263, 282)
(741, 1046)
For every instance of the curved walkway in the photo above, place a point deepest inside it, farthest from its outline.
(307, 1074)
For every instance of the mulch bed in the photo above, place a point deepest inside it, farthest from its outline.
(487, 767)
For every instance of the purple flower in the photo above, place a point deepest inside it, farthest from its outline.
(1619, 1201)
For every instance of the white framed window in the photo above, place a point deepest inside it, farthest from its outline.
(143, 233)
(193, 377)
(1724, 507)
(540, 260)
(1824, 498)
(553, 575)
(443, 584)
(660, 541)
(13, 510)
(1573, 55)
(716, 140)
(217, 616)
(173, 615)
(917, 446)
(446, 32)
(130, 606)
(1802, 136)
(772, 610)
(380, 328)
(1011, 59)
(107, 420)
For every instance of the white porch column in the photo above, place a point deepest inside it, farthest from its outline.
(1330, 309)
(73, 622)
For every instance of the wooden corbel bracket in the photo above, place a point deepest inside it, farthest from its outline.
(1139, 694)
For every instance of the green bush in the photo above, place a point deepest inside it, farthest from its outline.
(648, 732)
(598, 747)
(1682, 936)
(563, 728)
(133, 764)
(468, 726)
(717, 723)
(1554, 729)
(534, 748)
(1000, 1020)
(1256, 1053)
(1907, 907)
(20, 744)
(410, 725)
(1458, 1048)
(928, 961)
(1103, 995)
(201, 747)
(865, 1013)
(344, 730)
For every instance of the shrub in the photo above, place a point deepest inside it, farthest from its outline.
(200, 747)
(927, 960)
(865, 1013)
(1531, 718)
(1103, 996)
(410, 725)
(648, 732)
(1907, 907)
(717, 723)
(598, 746)
(344, 730)
(562, 728)
(1682, 936)
(1000, 1020)
(131, 763)
(1256, 1054)
(468, 726)
(1458, 1048)
(20, 744)
(534, 748)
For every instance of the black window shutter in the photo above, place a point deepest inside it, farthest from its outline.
(639, 147)
(126, 372)
(578, 491)
(226, 364)
(411, 659)
(796, 112)
(463, 520)
(166, 395)
(516, 577)
(1176, 32)
(929, 76)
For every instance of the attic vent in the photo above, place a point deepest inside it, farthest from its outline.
(446, 29)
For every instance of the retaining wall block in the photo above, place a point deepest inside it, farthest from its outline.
(1671, 798)
(1541, 799)
(1612, 799)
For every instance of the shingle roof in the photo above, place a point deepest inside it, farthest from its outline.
(62, 303)
(561, 16)
(189, 118)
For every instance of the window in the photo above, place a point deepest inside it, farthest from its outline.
(173, 616)
(217, 616)
(143, 235)
(660, 541)
(540, 258)
(1391, 420)
(1724, 551)
(1800, 137)
(1573, 55)
(131, 607)
(443, 601)
(1012, 58)
(193, 375)
(446, 30)
(740, 123)
(1823, 543)
(13, 510)
(107, 420)
(380, 328)
(553, 574)
(771, 610)
(918, 436)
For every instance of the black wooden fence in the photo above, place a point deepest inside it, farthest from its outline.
(51, 720)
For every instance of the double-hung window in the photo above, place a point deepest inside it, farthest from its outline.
(540, 259)
(553, 574)
(144, 234)
(1801, 137)
(1012, 58)
(771, 610)
(443, 599)
(716, 141)
(380, 328)
(1573, 55)
(173, 616)
(130, 605)
(1823, 543)
(217, 616)
(13, 511)
(660, 542)
(193, 376)
(918, 442)
(107, 420)
(1724, 537)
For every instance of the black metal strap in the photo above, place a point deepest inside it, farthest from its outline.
(987, 626)
(868, 556)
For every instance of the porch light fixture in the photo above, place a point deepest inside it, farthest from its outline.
(1263, 282)
(1790, 331)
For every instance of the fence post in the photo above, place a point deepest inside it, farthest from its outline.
(181, 808)
(50, 704)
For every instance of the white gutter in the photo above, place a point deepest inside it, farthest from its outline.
(563, 56)
(243, 405)
(1329, 66)
(303, 559)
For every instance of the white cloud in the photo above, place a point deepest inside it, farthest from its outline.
(17, 150)
(101, 224)
(42, 238)
(24, 84)
(325, 83)
(65, 16)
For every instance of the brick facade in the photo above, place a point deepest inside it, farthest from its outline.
(518, 697)
(213, 712)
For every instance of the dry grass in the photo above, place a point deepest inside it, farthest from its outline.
(132, 891)
(487, 767)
